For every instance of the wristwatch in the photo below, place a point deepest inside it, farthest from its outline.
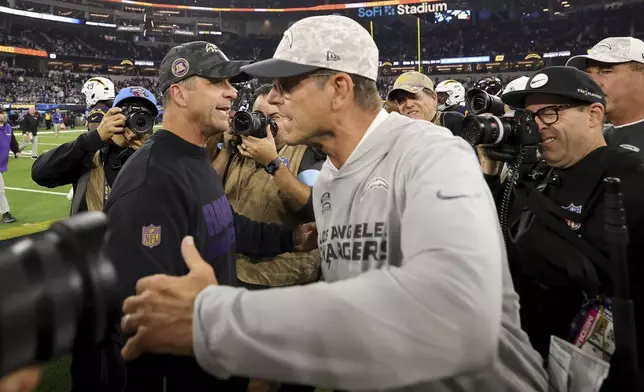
(273, 166)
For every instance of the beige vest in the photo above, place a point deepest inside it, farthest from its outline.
(253, 193)
(96, 185)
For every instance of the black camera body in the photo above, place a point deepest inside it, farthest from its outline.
(253, 124)
(517, 128)
(58, 291)
(138, 117)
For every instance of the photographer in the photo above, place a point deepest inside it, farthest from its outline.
(91, 162)
(99, 93)
(553, 270)
(269, 181)
(413, 94)
(617, 65)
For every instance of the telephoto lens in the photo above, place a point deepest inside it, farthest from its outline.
(479, 101)
(515, 128)
(57, 291)
(252, 124)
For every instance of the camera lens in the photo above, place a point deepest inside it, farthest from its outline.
(479, 101)
(56, 291)
(250, 124)
(140, 122)
(483, 130)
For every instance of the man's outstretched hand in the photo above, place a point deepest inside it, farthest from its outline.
(160, 315)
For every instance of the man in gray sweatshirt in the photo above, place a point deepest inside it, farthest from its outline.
(417, 293)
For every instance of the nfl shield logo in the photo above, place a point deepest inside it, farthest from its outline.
(576, 209)
(151, 236)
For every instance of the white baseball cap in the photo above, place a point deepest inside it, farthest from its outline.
(517, 84)
(613, 50)
(331, 41)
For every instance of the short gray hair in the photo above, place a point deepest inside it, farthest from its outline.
(365, 90)
(188, 83)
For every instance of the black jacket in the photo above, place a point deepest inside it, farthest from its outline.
(71, 163)
(547, 270)
(165, 191)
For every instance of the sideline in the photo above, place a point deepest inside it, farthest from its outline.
(26, 229)
(36, 191)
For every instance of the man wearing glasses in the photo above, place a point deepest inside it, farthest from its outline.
(417, 292)
(563, 194)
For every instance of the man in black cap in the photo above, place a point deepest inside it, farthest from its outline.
(552, 269)
(167, 190)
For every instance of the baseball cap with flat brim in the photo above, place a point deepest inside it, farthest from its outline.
(412, 82)
(332, 42)
(614, 50)
(199, 58)
(567, 82)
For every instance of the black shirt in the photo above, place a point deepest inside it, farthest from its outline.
(630, 137)
(30, 124)
(452, 121)
(164, 192)
(66, 164)
(548, 308)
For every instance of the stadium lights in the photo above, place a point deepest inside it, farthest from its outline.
(36, 15)
(323, 7)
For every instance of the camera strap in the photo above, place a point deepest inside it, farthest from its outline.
(547, 211)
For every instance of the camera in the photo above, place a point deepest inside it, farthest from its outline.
(57, 290)
(253, 124)
(138, 118)
(479, 101)
(516, 128)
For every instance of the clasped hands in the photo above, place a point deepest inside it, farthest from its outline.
(159, 317)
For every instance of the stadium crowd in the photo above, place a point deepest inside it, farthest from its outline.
(396, 38)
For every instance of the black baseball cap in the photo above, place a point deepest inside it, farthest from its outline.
(565, 82)
(199, 58)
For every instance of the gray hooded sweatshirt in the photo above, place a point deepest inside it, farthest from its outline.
(418, 295)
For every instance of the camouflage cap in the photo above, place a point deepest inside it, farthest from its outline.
(330, 41)
(199, 58)
(613, 50)
(411, 82)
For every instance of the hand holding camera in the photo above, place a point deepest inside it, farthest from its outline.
(262, 151)
(113, 123)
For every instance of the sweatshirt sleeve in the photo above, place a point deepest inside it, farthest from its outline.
(435, 317)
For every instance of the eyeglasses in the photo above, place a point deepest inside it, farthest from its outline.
(550, 114)
(287, 85)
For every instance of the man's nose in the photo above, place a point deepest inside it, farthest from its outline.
(540, 124)
(230, 91)
(274, 97)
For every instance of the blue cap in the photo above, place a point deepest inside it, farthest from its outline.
(138, 93)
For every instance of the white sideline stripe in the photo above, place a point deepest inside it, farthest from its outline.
(36, 191)
(52, 132)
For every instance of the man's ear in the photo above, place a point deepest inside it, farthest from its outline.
(177, 93)
(597, 115)
(343, 89)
